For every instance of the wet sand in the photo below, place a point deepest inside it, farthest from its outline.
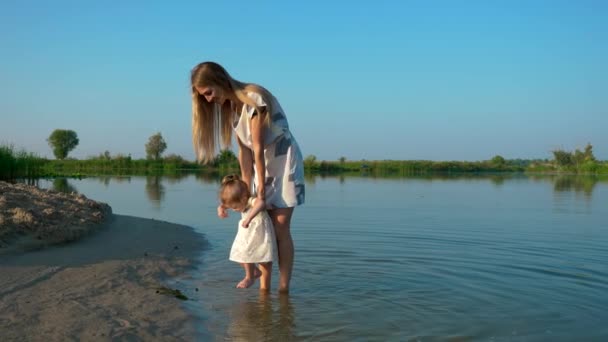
(102, 287)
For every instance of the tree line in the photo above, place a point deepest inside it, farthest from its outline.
(575, 162)
(63, 141)
(16, 164)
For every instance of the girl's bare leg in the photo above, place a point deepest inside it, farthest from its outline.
(251, 274)
(266, 274)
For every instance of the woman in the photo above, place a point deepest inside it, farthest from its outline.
(268, 153)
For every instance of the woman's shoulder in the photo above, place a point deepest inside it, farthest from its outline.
(256, 97)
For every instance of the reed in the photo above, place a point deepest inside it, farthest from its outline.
(19, 163)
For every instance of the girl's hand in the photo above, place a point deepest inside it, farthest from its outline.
(258, 206)
(221, 212)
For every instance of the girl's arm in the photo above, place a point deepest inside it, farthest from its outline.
(245, 162)
(257, 135)
(257, 207)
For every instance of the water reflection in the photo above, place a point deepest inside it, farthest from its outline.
(498, 180)
(285, 328)
(155, 186)
(30, 181)
(63, 185)
(105, 180)
(563, 183)
(155, 189)
(310, 178)
(577, 184)
(207, 178)
(267, 318)
(174, 178)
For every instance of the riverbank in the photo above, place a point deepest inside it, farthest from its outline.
(111, 284)
(32, 218)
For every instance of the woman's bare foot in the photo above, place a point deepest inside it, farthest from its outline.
(247, 282)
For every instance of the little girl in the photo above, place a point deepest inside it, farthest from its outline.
(255, 240)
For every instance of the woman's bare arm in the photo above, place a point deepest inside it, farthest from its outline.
(257, 134)
(245, 162)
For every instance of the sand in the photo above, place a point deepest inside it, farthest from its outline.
(104, 286)
(32, 218)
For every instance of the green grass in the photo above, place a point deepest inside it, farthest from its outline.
(406, 167)
(586, 168)
(19, 163)
(128, 166)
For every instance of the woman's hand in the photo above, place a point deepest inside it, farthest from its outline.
(221, 211)
(261, 202)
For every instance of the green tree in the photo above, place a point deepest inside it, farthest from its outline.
(62, 141)
(563, 158)
(578, 157)
(226, 158)
(174, 158)
(498, 161)
(310, 161)
(156, 146)
(589, 153)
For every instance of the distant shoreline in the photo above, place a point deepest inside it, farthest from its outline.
(20, 164)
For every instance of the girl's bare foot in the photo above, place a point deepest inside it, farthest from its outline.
(247, 282)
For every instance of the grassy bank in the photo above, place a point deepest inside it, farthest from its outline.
(128, 166)
(16, 164)
(589, 167)
(19, 163)
(406, 167)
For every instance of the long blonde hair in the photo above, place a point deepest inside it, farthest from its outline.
(211, 122)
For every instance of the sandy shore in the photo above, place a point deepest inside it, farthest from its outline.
(102, 287)
(32, 218)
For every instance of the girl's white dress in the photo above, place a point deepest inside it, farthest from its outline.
(257, 243)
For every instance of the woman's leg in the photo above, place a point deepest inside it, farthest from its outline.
(281, 219)
(266, 271)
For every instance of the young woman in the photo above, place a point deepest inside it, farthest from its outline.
(269, 156)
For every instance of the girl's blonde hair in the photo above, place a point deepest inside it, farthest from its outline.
(211, 122)
(233, 190)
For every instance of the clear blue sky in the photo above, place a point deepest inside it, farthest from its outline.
(438, 80)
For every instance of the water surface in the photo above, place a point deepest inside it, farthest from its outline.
(495, 258)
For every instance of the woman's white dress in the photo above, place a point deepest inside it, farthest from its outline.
(284, 179)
